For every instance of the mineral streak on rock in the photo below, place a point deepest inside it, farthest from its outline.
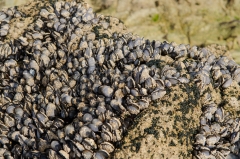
(73, 79)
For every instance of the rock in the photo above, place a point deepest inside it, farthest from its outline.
(166, 128)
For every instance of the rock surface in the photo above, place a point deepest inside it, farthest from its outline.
(167, 128)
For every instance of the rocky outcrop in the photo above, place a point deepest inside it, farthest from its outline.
(189, 89)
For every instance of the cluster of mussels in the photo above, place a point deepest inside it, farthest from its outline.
(5, 17)
(218, 137)
(66, 90)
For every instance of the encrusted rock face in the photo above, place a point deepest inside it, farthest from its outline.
(73, 81)
(171, 127)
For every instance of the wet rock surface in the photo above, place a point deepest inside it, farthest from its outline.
(74, 83)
